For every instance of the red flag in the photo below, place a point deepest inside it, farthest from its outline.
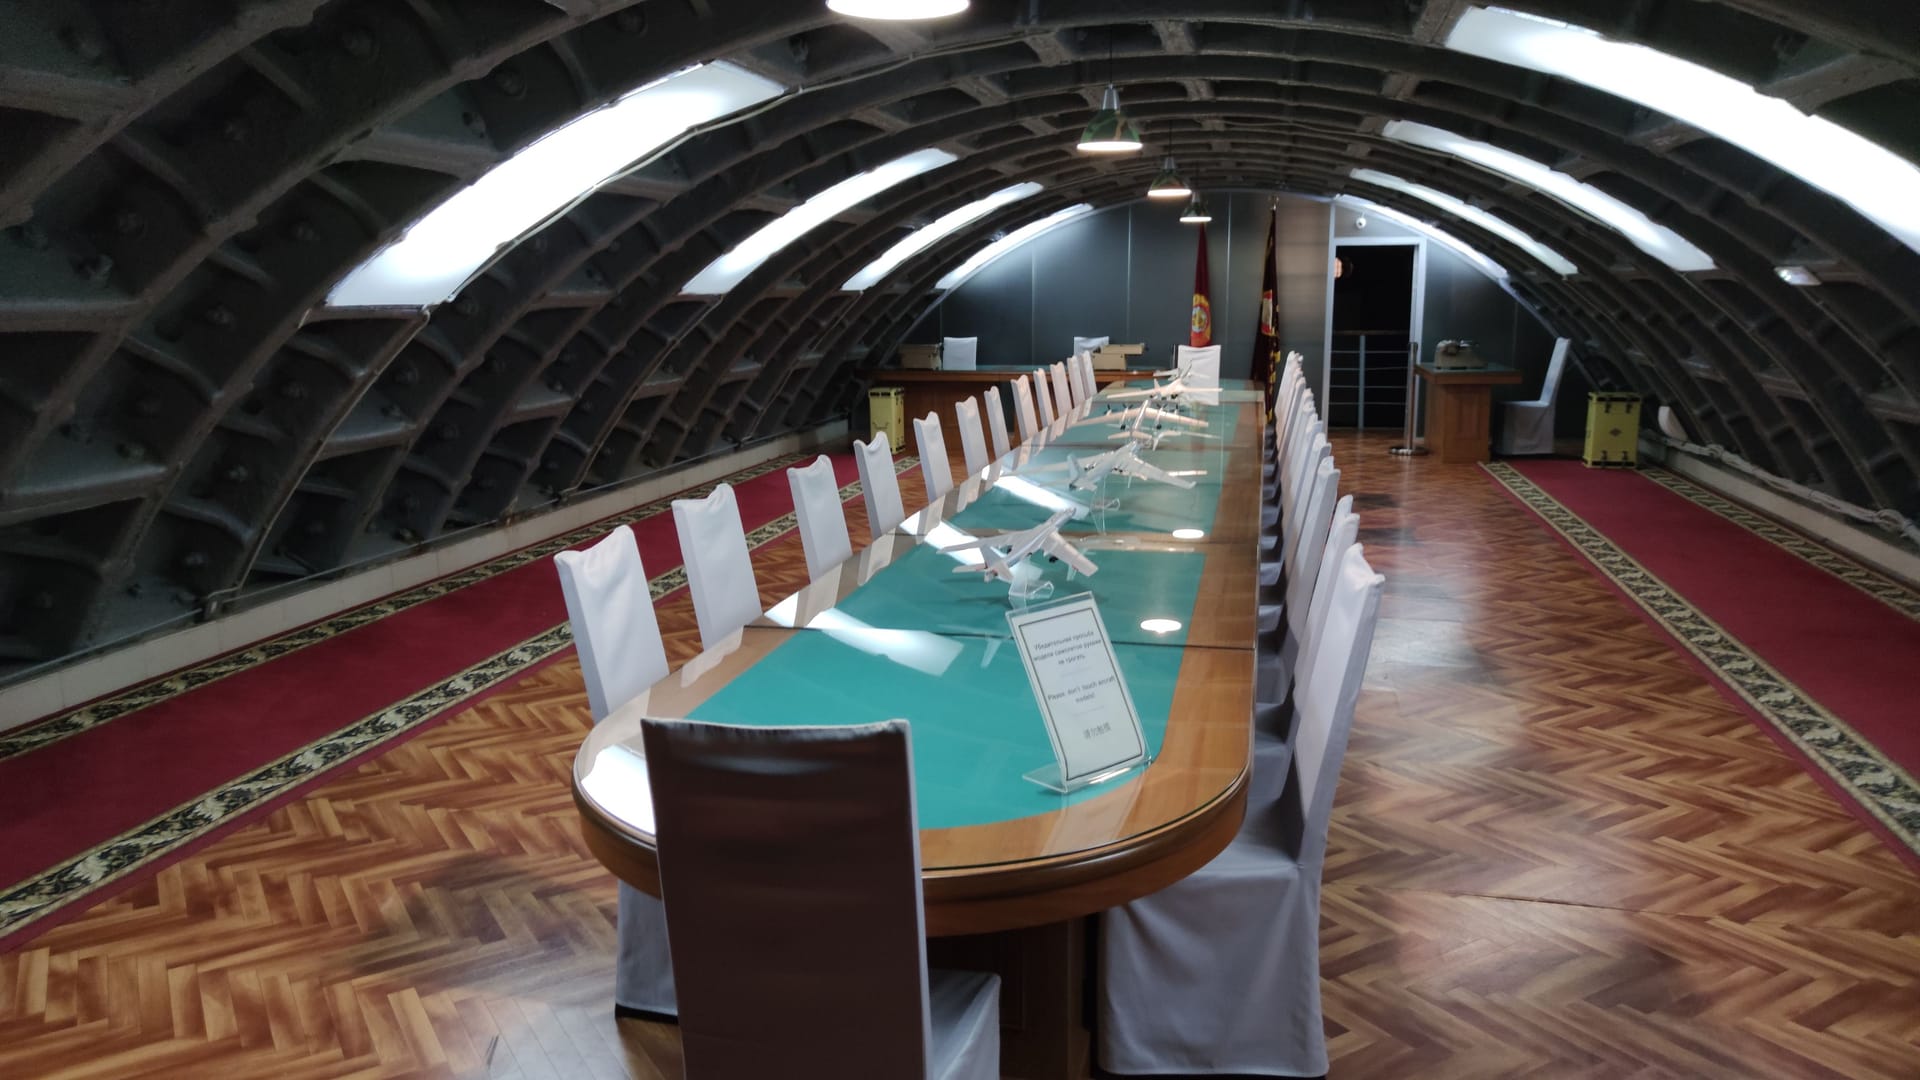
(1265, 365)
(1200, 332)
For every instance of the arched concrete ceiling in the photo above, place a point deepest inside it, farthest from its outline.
(184, 423)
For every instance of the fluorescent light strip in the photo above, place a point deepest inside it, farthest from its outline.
(1553, 259)
(923, 238)
(990, 254)
(1656, 240)
(1878, 183)
(443, 250)
(1460, 247)
(723, 273)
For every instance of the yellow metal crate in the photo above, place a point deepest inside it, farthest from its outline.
(887, 411)
(1613, 431)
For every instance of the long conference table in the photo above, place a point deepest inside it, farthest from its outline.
(1011, 869)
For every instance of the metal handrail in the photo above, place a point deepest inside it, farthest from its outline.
(1409, 448)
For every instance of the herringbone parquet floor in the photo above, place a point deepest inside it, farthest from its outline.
(1557, 853)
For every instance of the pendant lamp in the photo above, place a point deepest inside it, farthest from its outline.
(1169, 184)
(1110, 132)
(1196, 211)
(897, 10)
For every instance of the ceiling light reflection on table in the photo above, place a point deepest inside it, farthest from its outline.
(1160, 626)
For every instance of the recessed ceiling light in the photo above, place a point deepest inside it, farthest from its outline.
(1797, 275)
(1459, 208)
(1883, 186)
(723, 273)
(455, 240)
(1656, 240)
(986, 256)
(896, 10)
(922, 239)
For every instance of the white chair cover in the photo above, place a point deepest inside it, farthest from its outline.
(1063, 398)
(973, 439)
(1023, 410)
(879, 484)
(1043, 396)
(821, 519)
(1088, 344)
(1527, 426)
(1220, 973)
(1289, 625)
(790, 858)
(959, 353)
(1202, 365)
(614, 630)
(1077, 378)
(996, 421)
(932, 445)
(713, 545)
(1088, 375)
(1279, 667)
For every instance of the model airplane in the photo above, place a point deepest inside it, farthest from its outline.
(1004, 552)
(1124, 461)
(1177, 390)
(1148, 425)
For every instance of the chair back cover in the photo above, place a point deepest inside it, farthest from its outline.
(1023, 409)
(1202, 365)
(790, 864)
(934, 468)
(879, 484)
(1088, 344)
(1299, 481)
(1555, 368)
(713, 546)
(614, 628)
(1077, 377)
(821, 518)
(973, 438)
(1344, 532)
(1324, 701)
(1299, 437)
(1303, 559)
(996, 421)
(1087, 375)
(1063, 398)
(959, 353)
(1043, 396)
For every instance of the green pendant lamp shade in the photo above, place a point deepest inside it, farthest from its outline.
(1110, 132)
(1169, 184)
(1196, 212)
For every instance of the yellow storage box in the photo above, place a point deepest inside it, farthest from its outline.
(1613, 431)
(887, 411)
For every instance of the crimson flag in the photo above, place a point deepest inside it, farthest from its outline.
(1200, 331)
(1265, 365)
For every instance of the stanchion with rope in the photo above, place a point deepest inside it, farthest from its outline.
(1410, 448)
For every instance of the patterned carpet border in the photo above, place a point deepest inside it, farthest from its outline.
(1876, 782)
(82, 877)
(1890, 591)
(84, 718)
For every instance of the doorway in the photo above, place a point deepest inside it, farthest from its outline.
(1375, 331)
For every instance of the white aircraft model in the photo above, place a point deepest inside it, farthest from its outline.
(1124, 461)
(1146, 424)
(1176, 390)
(1004, 552)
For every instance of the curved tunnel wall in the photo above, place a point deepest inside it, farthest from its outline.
(184, 425)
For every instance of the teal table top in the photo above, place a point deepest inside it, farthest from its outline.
(976, 727)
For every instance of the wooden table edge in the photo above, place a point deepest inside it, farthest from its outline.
(976, 900)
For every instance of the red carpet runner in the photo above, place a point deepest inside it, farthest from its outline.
(94, 795)
(1820, 648)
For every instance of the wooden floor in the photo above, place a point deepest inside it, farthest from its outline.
(1556, 853)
